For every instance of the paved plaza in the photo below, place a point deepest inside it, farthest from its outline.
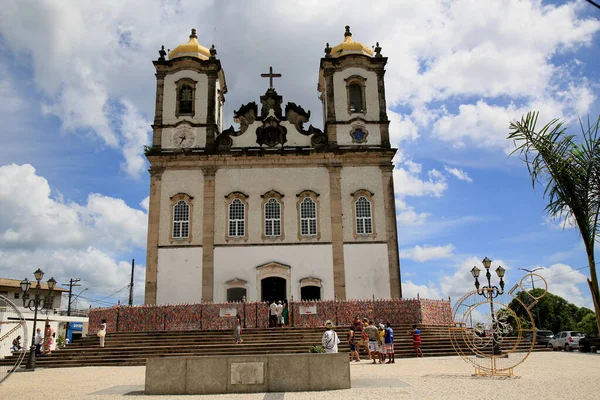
(546, 375)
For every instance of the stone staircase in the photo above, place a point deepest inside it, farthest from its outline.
(133, 348)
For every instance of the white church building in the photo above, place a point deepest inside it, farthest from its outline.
(273, 209)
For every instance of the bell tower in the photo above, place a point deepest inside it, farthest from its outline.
(352, 90)
(190, 92)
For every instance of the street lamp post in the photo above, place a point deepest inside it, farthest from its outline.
(490, 292)
(36, 303)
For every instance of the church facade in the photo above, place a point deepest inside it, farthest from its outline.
(273, 209)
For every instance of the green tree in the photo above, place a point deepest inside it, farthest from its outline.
(570, 171)
(556, 313)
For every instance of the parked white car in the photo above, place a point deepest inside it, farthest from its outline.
(566, 340)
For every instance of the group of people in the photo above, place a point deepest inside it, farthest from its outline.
(279, 314)
(376, 340)
(42, 341)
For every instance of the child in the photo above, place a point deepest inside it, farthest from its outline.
(352, 343)
(381, 343)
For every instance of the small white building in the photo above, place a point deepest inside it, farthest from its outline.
(11, 289)
(273, 209)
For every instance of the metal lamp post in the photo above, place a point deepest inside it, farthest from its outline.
(490, 292)
(34, 304)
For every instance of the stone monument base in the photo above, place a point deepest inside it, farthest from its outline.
(247, 374)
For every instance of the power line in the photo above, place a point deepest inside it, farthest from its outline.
(593, 3)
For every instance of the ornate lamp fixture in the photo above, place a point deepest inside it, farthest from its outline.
(34, 304)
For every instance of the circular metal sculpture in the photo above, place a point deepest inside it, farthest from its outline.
(490, 335)
(12, 325)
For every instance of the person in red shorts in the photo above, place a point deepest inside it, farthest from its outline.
(416, 333)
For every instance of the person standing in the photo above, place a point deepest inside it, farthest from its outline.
(273, 314)
(330, 339)
(380, 341)
(373, 335)
(416, 334)
(279, 311)
(238, 329)
(38, 341)
(389, 344)
(47, 344)
(102, 332)
(352, 342)
(286, 314)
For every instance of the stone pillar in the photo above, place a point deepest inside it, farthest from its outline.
(337, 233)
(158, 110)
(211, 106)
(208, 234)
(331, 128)
(153, 234)
(389, 205)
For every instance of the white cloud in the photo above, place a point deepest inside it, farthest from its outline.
(410, 290)
(407, 182)
(145, 204)
(136, 133)
(562, 280)
(66, 239)
(458, 173)
(427, 253)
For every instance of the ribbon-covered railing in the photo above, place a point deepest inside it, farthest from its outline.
(221, 316)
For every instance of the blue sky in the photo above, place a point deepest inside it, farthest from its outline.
(77, 90)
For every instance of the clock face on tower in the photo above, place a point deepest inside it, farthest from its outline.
(183, 137)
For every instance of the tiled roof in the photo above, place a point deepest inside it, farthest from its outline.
(15, 283)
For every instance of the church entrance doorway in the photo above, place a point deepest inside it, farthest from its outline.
(273, 288)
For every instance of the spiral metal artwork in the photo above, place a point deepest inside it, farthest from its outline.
(12, 325)
(488, 334)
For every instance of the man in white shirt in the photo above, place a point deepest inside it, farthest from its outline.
(273, 319)
(330, 339)
(38, 341)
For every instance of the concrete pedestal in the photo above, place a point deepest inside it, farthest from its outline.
(247, 374)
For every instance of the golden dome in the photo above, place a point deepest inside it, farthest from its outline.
(190, 49)
(349, 46)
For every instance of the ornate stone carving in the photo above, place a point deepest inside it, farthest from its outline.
(296, 115)
(271, 133)
(271, 101)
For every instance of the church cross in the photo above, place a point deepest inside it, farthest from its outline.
(271, 75)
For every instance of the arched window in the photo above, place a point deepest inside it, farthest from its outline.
(356, 100)
(364, 225)
(185, 99)
(181, 216)
(362, 210)
(310, 293)
(181, 220)
(272, 218)
(237, 218)
(308, 217)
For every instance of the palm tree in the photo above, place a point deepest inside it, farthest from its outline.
(570, 170)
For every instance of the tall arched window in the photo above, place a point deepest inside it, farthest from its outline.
(364, 224)
(237, 216)
(272, 218)
(185, 99)
(356, 100)
(363, 207)
(181, 217)
(308, 217)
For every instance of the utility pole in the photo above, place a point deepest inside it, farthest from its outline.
(72, 283)
(131, 284)
(537, 309)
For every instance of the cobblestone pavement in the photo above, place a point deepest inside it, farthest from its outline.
(546, 375)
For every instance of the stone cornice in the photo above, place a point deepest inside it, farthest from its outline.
(367, 157)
